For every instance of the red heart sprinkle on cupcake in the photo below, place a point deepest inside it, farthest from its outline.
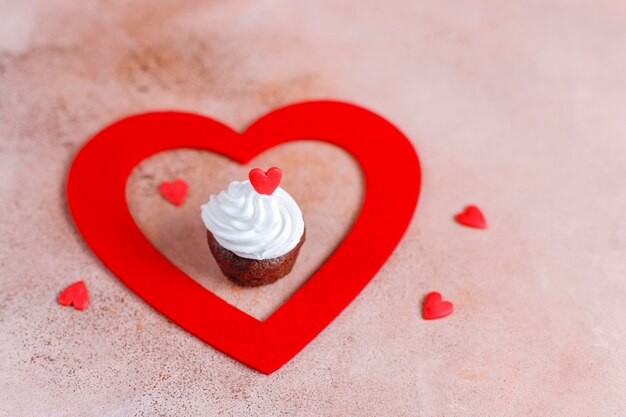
(76, 294)
(472, 217)
(265, 182)
(435, 307)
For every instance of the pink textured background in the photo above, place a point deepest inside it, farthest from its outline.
(519, 107)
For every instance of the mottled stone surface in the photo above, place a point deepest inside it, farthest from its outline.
(519, 107)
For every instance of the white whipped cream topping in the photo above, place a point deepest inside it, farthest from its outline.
(252, 225)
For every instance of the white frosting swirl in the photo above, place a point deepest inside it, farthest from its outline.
(253, 225)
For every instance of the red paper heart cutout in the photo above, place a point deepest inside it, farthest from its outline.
(435, 308)
(174, 192)
(76, 294)
(472, 217)
(97, 199)
(265, 182)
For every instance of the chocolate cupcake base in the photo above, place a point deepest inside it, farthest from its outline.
(252, 272)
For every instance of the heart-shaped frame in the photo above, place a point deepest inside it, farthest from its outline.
(96, 190)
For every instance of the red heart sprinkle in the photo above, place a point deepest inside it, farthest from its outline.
(435, 308)
(265, 182)
(76, 294)
(174, 192)
(472, 217)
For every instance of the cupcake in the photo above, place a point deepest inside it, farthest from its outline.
(254, 229)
